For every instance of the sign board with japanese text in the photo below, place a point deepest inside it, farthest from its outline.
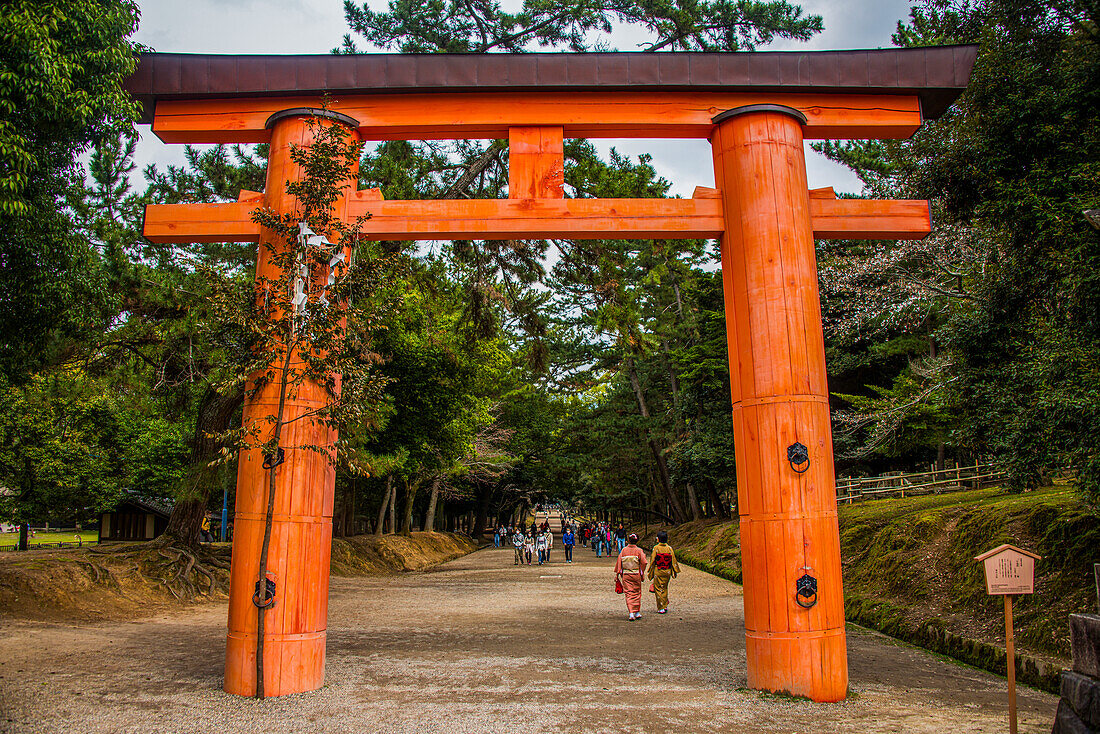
(1009, 570)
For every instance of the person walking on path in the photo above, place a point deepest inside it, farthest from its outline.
(662, 570)
(630, 568)
(568, 539)
(620, 538)
(517, 543)
(529, 546)
(541, 547)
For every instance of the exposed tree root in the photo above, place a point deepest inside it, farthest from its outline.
(128, 581)
(185, 573)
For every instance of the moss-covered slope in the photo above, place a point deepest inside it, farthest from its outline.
(909, 570)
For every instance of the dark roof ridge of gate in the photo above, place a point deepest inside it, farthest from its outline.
(937, 74)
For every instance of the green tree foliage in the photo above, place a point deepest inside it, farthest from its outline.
(71, 445)
(1012, 288)
(1020, 159)
(61, 71)
(442, 395)
(450, 26)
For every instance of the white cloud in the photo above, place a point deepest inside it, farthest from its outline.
(242, 26)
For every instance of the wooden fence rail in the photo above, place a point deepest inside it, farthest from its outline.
(50, 544)
(959, 477)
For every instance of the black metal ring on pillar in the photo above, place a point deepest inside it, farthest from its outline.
(311, 112)
(750, 108)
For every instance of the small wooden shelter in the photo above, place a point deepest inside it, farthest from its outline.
(135, 518)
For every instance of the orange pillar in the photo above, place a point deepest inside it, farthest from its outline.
(780, 398)
(301, 534)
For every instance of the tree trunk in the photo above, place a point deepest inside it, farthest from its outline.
(674, 383)
(410, 498)
(482, 515)
(349, 514)
(393, 509)
(380, 527)
(716, 500)
(478, 165)
(216, 412)
(941, 450)
(679, 300)
(429, 519)
(673, 380)
(24, 533)
(662, 466)
(339, 515)
(693, 503)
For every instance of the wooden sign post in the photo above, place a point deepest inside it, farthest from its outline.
(1096, 576)
(1008, 571)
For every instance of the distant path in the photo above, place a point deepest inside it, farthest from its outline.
(476, 646)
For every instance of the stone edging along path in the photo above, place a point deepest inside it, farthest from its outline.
(885, 618)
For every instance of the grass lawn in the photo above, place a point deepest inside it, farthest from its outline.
(10, 540)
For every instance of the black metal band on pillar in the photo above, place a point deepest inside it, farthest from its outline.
(750, 108)
(311, 112)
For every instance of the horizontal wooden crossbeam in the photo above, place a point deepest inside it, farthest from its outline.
(870, 219)
(605, 114)
(509, 219)
(229, 222)
(695, 218)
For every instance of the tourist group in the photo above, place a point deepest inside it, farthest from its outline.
(631, 566)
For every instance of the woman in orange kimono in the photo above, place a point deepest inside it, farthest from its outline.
(630, 568)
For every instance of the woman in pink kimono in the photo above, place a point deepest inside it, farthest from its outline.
(630, 568)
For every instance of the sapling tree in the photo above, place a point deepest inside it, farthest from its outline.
(309, 318)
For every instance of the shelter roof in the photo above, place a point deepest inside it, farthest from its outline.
(155, 505)
(936, 74)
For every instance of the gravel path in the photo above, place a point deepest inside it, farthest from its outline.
(480, 645)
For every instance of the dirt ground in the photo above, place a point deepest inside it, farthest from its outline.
(481, 645)
(127, 581)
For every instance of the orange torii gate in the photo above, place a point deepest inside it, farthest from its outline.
(755, 108)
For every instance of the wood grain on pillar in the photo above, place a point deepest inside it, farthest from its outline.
(780, 396)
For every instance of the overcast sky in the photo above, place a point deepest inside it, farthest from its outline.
(316, 26)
